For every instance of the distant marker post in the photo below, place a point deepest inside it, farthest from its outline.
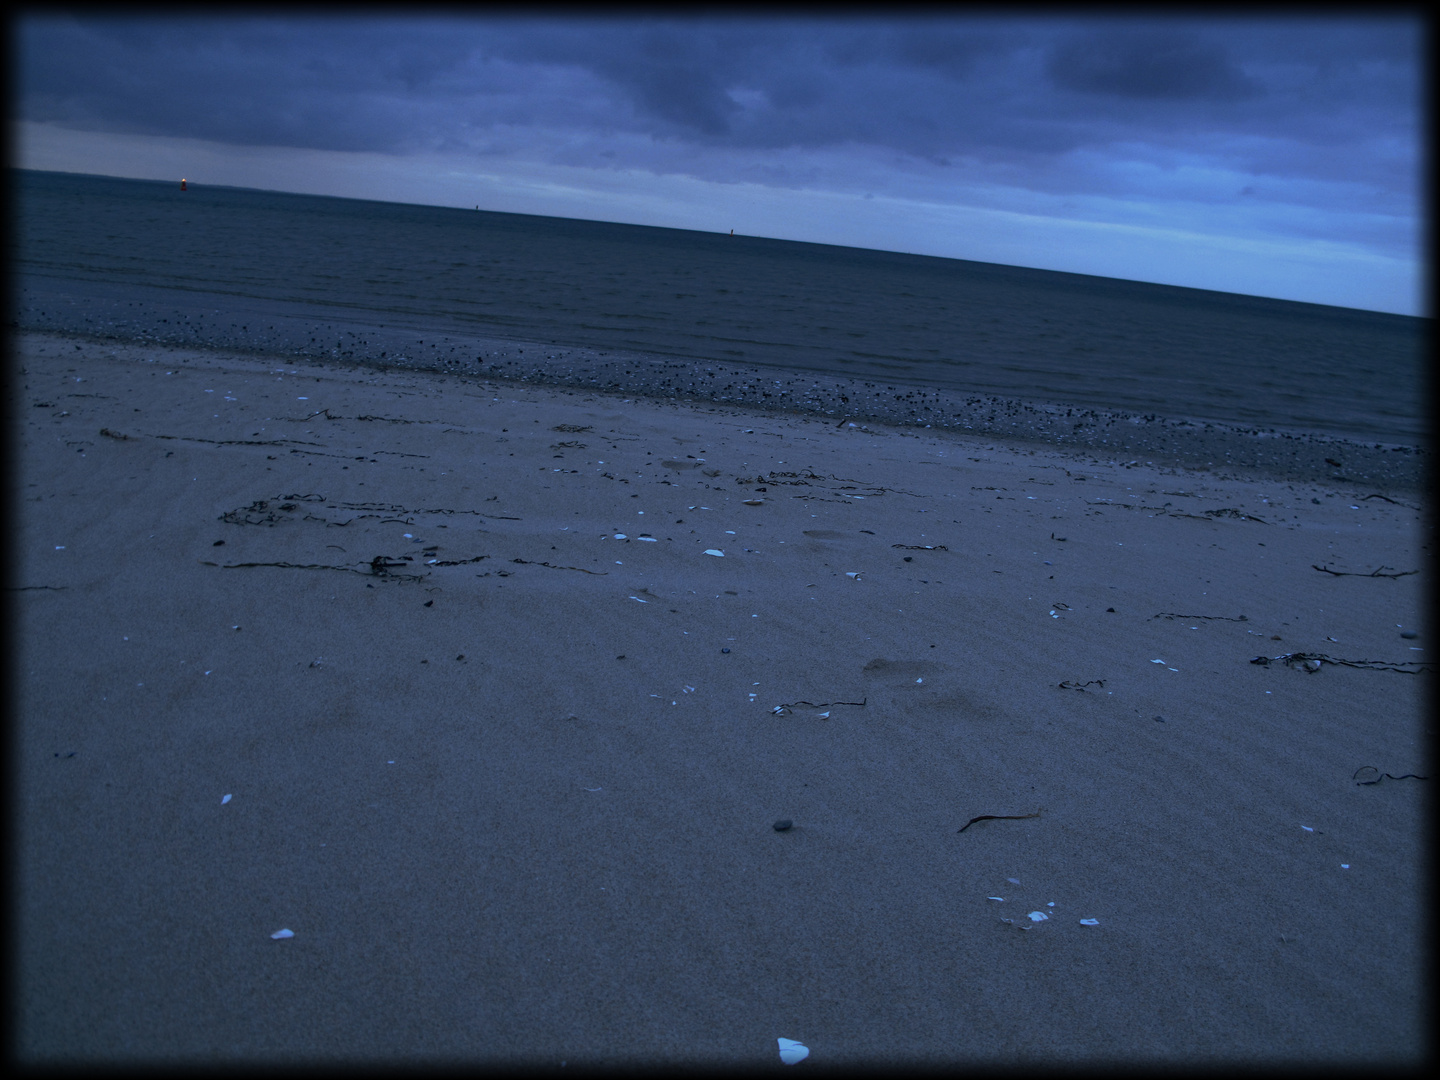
(182, 183)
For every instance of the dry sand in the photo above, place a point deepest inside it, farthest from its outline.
(495, 769)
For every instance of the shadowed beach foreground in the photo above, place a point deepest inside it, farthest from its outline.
(493, 694)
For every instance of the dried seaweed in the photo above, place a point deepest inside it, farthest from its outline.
(1226, 511)
(246, 515)
(1225, 618)
(552, 566)
(1071, 684)
(1381, 776)
(898, 491)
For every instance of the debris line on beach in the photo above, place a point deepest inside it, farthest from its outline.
(1312, 663)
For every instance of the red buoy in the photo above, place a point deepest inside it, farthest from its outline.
(182, 185)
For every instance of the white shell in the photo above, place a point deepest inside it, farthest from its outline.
(792, 1052)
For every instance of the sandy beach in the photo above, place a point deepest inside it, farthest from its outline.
(494, 695)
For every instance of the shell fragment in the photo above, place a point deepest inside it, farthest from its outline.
(792, 1052)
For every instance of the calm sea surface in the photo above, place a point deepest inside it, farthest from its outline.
(1031, 335)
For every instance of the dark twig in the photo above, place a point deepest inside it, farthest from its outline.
(1373, 573)
(236, 442)
(377, 568)
(1070, 684)
(1225, 618)
(998, 817)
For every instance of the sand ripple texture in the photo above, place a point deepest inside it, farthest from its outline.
(394, 716)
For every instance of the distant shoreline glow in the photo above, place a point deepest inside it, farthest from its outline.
(1237, 259)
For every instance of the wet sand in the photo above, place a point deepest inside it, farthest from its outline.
(307, 332)
(432, 671)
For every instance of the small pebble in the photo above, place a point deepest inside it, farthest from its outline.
(1161, 719)
(783, 824)
(724, 650)
(1409, 634)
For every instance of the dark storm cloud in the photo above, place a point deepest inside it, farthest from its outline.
(340, 85)
(1149, 64)
(932, 89)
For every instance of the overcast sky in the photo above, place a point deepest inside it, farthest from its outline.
(1272, 156)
